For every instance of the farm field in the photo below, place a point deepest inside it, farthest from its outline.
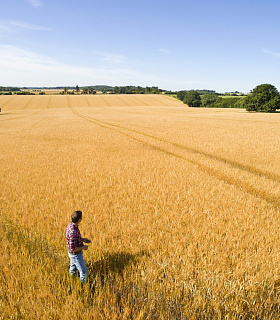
(181, 205)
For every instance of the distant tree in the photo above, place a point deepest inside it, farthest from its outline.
(77, 89)
(229, 102)
(24, 93)
(208, 100)
(155, 90)
(264, 98)
(91, 91)
(9, 88)
(100, 88)
(181, 95)
(192, 99)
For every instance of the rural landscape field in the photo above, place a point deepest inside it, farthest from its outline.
(181, 205)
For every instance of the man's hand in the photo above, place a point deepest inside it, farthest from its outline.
(86, 240)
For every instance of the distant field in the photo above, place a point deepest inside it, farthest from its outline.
(15, 102)
(181, 204)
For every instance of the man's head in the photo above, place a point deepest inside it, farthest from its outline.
(76, 216)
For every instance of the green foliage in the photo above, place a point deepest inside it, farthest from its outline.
(9, 89)
(192, 98)
(229, 102)
(264, 98)
(203, 91)
(88, 90)
(181, 95)
(25, 93)
(208, 100)
(93, 89)
(102, 88)
(171, 93)
(5, 93)
(136, 90)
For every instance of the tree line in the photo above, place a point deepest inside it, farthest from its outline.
(263, 98)
(21, 93)
(209, 100)
(114, 90)
(9, 89)
(136, 90)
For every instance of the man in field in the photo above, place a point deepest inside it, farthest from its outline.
(75, 244)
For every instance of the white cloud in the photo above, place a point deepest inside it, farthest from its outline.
(110, 58)
(12, 54)
(20, 67)
(14, 25)
(166, 51)
(35, 3)
(4, 27)
(27, 26)
(274, 54)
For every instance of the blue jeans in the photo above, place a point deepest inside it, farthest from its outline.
(77, 262)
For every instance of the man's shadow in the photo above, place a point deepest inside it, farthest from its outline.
(111, 265)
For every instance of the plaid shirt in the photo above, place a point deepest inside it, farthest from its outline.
(73, 237)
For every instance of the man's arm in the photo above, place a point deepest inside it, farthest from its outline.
(77, 249)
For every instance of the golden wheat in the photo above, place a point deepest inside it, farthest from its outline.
(181, 205)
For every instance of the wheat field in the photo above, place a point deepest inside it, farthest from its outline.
(181, 205)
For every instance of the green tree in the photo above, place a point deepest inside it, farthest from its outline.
(77, 89)
(192, 99)
(181, 95)
(264, 98)
(208, 100)
(229, 102)
(91, 91)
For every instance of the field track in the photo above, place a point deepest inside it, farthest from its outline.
(175, 149)
(181, 204)
(127, 104)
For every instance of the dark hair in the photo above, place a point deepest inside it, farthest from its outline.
(76, 216)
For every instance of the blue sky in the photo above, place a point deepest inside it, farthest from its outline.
(222, 45)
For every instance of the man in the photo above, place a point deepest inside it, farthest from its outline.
(75, 244)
